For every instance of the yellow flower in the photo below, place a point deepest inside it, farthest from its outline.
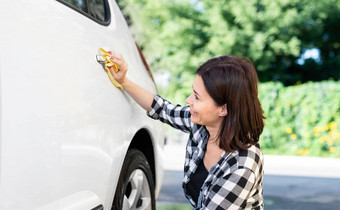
(332, 149)
(317, 134)
(316, 129)
(324, 128)
(307, 135)
(333, 135)
(321, 140)
(293, 136)
(329, 142)
(337, 136)
(332, 125)
(303, 151)
(288, 130)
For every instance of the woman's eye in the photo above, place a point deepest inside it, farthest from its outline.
(196, 97)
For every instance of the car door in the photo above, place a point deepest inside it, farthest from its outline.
(66, 128)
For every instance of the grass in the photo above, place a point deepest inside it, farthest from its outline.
(173, 206)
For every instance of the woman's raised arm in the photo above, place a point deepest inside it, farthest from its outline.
(142, 96)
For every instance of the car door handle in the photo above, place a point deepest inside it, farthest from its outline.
(100, 59)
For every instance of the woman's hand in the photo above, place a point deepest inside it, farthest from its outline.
(142, 96)
(120, 75)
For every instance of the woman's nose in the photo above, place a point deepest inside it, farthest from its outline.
(188, 100)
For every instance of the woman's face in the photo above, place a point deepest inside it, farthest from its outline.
(203, 108)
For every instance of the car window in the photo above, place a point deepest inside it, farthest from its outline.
(97, 10)
(79, 4)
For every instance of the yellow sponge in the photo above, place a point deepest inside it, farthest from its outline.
(108, 63)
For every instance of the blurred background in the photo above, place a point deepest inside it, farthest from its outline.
(295, 47)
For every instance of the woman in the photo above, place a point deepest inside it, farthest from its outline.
(223, 163)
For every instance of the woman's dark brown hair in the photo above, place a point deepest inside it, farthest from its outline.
(232, 81)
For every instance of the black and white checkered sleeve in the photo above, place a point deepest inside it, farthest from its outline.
(176, 116)
(232, 191)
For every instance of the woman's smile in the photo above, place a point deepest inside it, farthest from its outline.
(192, 112)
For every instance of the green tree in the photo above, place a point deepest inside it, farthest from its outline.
(177, 36)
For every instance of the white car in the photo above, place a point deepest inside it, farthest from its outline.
(69, 139)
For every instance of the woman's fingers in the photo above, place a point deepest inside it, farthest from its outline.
(116, 55)
(116, 60)
(120, 62)
(119, 76)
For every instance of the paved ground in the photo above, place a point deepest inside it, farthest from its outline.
(298, 192)
(289, 182)
(280, 192)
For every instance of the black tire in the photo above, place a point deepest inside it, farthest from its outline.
(135, 189)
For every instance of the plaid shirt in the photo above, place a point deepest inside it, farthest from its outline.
(235, 182)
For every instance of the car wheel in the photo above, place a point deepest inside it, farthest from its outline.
(135, 189)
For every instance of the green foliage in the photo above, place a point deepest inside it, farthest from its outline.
(177, 36)
(302, 119)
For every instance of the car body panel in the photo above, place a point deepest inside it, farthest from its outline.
(65, 128)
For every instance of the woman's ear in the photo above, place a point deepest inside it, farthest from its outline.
(223, 111)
